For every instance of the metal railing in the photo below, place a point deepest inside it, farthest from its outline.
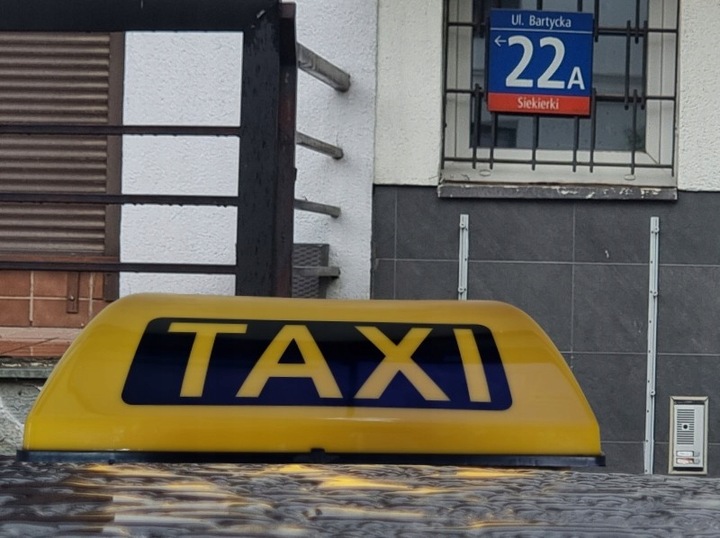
(265, 198)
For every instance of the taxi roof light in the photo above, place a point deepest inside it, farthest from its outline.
(198, 378)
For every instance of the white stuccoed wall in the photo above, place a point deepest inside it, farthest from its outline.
(409, 106)
(344, 32)
(195, 79)
(180, 79)
(699, 124)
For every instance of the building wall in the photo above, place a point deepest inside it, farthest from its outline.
(193, 79)
(580, 269)
(344, 33)
(406, 131)
(180, 79)
(698, 119)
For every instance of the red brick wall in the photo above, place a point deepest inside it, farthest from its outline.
(49, 298)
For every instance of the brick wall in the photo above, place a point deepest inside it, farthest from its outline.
(49, 298)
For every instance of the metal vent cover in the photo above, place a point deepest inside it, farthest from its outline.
(309, 255)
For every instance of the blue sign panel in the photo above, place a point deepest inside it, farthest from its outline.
(540, 62)
(317, 363)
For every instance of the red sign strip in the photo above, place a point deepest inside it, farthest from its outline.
(539, 104)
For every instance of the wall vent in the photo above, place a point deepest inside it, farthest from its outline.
(688, 435)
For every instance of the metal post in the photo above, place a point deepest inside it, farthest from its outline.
(267, 168)
(463, 256)
(649, 445)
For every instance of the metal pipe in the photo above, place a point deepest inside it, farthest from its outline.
(306, 141)
(116, 199)
(463, 257)
(649, 444)
(316, 271)
(317, 66)
(118, 267)
(78, 129)
(315, 207)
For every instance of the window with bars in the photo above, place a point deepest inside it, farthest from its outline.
(628, 139)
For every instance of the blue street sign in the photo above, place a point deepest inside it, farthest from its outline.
(540, 62)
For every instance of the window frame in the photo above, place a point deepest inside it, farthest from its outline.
(655, 167)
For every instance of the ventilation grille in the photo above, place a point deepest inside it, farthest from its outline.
(309, 255)
(53, 78)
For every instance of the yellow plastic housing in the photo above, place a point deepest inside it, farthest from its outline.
(223, 377)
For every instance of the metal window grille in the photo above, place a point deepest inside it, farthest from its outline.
(474, 136)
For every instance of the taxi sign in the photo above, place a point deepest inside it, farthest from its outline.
(199, 378)
(540, 62)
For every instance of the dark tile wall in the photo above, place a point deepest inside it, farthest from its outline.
(580, 269)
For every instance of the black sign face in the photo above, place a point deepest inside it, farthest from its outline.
(317, 363)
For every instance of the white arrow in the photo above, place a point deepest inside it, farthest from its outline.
(499, 41)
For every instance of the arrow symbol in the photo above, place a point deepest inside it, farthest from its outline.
(499, 41)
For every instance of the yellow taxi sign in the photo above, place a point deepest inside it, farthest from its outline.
(171, 377)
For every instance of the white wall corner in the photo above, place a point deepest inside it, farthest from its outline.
(344, 32)
(409, 92)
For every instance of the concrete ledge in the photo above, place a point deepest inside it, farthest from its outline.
(25, 373)
(13, 368)
(557, 192)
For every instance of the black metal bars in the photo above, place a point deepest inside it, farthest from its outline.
(634, 93)
(133, 15)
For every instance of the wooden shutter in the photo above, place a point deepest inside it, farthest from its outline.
(54, 78)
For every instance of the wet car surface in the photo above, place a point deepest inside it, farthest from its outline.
(153, 500)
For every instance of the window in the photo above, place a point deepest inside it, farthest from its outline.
(628, 140)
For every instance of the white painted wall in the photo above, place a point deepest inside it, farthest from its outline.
(195, 79)
(409, 88)
(698, 155)
(342, 31)
(180, 79)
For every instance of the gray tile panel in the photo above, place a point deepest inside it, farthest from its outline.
(521, 230)
(622, 457)
(689, 310)
(610, 308)
(615, 387)
(526, 285)
(615, 232)
(383, 222)
(426, 280)
(428, 228)
(690, 231)
(660, 458)
(518, 230)
(383, 279)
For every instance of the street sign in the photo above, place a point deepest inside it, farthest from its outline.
(540, 62)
